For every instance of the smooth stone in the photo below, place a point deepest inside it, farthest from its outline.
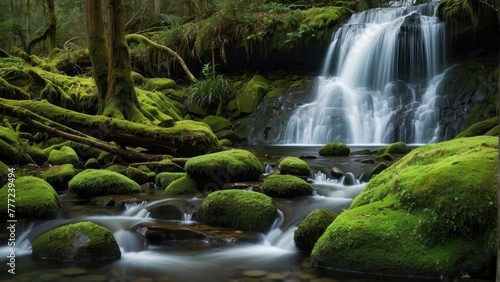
(255, 273)
(274, 277)
(73, 271)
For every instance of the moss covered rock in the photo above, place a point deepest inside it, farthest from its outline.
(214, 170)
(93, 182)
(158, 83)
(137, 78)
(163, 166)
(165, 178)
(34, 198)
(286, 186)
(217, 123)
(311, 228)
(181, 186)
(166, 212)
(66, 155)
(225, 143)
(4, 172)
(431, 213)
(378, 169)
(294, 166)
(251, 93)
(398, 148)
(92, 163)
(231, 135)
(384, 157)
(240, 209)
(81, 242)
(335, 149)
(139, 176)
(59, 176)
(479, 128)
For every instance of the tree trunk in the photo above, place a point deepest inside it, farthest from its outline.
(98, 50)
(121, 100)
(52, 25)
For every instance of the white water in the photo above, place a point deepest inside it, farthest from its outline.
(372, 86)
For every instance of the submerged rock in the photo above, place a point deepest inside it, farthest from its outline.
(421, 216)
(34, 198)
(83, 242)
(245, 210)
(92, 182)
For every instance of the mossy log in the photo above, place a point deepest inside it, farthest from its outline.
(185, 139)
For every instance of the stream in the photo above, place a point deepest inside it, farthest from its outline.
(270, 257)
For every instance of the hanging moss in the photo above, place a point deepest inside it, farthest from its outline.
(34, 198)
(78, 242)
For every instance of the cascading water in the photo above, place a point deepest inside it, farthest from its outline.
(374, 86)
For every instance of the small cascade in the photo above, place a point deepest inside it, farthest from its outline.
(374, 81)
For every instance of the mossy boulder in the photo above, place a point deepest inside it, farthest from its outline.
(158, 83)
(212, 171)
(217, 123)
(163, 166)
(240, 209)
(66, 155)
(225, 143)
(378, 169)
(335, 149)
(93, 182)
(251, 93)
(294, 166)
(4, 172)
(137, 78)
(181, 186)
(78, 242)
(384, 157)
(59, 176)
(311, 228)
(431, 213)
(479, 128)
(286, 186)
(397, 148)
(231, 135)
(34, 197)
(92, 163)
(16, 150)
(139, 176)
(165, 178)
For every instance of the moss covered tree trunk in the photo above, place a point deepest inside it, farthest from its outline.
(98, 49)
(121, 100)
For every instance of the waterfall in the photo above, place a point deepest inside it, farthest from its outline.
(377, 81)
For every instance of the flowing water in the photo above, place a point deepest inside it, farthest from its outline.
(201, 260)
(378, 81)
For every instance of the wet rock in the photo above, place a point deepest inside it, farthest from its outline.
(166, 212)
(105, 201)
(157, 232)
(122, 204)
(367, 161)
(307, 157)
(349, 179)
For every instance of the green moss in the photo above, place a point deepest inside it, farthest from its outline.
(285, 186)
(66, 155)
(139, 176)
(397, 148)
(159, 83)
(163, 166)
(92, 163)
(378, 169)
(82, 242)
(121, 169)
(232, 135)
(217, 123)
(492, 132)
(275, 93)
(4, 171)
(480, 128)
(34, 198)
(251, 93)
(335, 149)
(59, 176)
(311, 228)
(225, 143)
(165, 178)
(212, 171)
(181, 186)
(384, 157)
(250, 211)
(421, 216)
(92, 182)
(294, 166)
